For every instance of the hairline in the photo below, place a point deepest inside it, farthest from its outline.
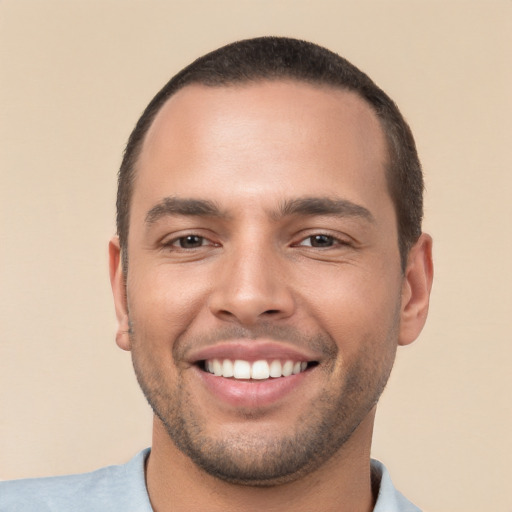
(384, 123)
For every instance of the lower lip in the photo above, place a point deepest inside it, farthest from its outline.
(251, 393)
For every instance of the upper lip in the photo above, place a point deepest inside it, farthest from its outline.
(252, 350)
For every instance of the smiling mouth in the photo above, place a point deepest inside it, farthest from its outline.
(262, 369)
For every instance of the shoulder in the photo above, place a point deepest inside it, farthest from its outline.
(108, 489)
(389, 499)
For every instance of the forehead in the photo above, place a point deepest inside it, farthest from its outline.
(287, 134)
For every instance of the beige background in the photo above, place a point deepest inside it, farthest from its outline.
(74, 78)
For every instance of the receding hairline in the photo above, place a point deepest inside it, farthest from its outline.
(281, 58)
(319, 85)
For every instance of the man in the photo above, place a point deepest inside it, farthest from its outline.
(268, 263)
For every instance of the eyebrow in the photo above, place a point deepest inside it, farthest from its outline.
(323, 206)
(183, 206)
(169, 206)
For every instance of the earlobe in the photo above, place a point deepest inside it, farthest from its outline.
(117, 281)
(416, 287)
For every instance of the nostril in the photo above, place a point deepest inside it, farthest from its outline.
(225, 312)
(271, 312)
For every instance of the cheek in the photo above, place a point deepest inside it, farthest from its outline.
(353, 306)
(163, 303)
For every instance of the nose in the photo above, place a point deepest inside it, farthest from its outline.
(251, 287)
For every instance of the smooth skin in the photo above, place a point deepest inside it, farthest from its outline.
(226, 248)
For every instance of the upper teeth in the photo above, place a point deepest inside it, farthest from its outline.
(262, 369)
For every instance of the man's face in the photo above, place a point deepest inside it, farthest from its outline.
(263, 239)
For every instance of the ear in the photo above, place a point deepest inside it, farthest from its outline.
(416, 287)
(118, 284)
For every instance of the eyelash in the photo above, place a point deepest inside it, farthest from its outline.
(334, 241)
(178, 243)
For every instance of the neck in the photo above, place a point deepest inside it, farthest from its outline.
(341, 484)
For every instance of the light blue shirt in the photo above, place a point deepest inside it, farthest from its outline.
(123, 489)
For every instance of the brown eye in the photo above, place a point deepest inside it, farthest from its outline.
(190, 241)
(320, 241)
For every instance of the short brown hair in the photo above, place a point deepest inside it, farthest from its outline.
(274, 58)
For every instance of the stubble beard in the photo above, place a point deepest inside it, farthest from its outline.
(275, 458)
